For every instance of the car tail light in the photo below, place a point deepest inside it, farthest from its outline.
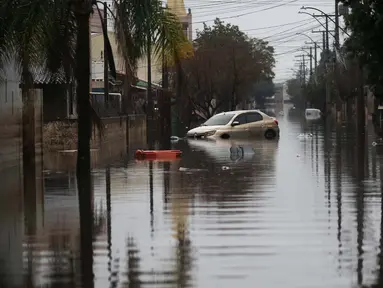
(276, 121)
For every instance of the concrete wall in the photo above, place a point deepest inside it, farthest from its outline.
(61, 154)
(137, 130)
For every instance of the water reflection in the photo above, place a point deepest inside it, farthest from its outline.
(293, 212)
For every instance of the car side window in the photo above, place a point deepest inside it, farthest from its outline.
(254, 117)
(241, 119)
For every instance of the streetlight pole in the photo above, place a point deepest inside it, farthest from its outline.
(311, 62)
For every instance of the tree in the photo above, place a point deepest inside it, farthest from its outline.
(261, 90)
(365, 23)
(226, 65)
(295, 91)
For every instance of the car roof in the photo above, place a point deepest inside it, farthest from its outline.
(237, 112)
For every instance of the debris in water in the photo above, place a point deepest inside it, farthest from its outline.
(225, 168)
(184, 169)
(174, 138)
(305, 135)
(374, 143)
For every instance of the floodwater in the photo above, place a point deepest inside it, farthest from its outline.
(303, 211)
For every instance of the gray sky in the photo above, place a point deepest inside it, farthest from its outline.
(275, 21)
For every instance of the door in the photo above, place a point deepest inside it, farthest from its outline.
(241, 130)
(255, 123)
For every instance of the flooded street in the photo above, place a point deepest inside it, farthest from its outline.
(301, 211)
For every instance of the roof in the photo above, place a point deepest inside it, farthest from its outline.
(48, 78)
(144, 84)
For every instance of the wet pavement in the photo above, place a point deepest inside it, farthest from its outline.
(301, 211)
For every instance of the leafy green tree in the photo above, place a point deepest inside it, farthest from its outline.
(365, 21)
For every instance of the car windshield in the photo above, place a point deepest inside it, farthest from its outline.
(219, 119)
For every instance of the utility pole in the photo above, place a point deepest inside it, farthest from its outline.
(327, 41)
(304, 69)
(316, 46)
(337, 44)
(316, 56)
(326, 51)
(324, 41)
(311, 62)
(106, 64)
(310, 54)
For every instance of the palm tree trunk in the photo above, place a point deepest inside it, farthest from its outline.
(29, 146)
(83, 153)
(150, 106)
(180, 128)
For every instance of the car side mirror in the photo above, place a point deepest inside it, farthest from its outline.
(235, 123)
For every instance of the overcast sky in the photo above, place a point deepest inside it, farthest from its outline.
(276, 21)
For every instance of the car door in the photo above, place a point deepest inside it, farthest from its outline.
(241, 130)
(255, 123)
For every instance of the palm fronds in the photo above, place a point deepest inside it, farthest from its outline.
(130, 32)
(136, 20)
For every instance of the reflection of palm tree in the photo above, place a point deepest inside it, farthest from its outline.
(180, 213)
(108, 219)
(338, 161)
(151, 187)
(166, 182)
(360, 203)
(183, 262)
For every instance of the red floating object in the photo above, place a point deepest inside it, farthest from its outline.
(158, 154)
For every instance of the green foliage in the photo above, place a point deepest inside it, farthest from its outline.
(295, 91)
(366, 23)
(262, 89)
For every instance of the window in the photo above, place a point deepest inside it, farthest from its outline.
(241, 119)
(254, 117)
(219, 119)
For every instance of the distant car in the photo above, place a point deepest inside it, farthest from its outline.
(312, 113)
(237, 124)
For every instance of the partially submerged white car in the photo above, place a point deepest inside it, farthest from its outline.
(237, 124)
(313, 114)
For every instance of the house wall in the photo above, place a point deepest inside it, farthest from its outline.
(10, 122)
(11, 196)
(97, 51)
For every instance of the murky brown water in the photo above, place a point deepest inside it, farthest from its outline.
(298, 212)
